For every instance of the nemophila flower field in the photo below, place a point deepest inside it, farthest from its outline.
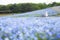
(30, 28)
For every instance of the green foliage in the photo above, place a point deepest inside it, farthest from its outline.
(26, 7)
(38, 36)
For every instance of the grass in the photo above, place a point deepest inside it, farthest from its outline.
(58, 14)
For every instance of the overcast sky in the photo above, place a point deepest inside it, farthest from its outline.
(4, 2)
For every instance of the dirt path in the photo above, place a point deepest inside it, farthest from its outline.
(5, 14)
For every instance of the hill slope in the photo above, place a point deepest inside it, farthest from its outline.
(42, 12)
(51, 11)
(56, 8)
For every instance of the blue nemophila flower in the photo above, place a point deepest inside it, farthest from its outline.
(58, 35)
(27, 28)
(1, 38)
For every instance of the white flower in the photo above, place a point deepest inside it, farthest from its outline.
(6, 38)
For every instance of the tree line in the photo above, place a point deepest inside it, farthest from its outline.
(26, 7)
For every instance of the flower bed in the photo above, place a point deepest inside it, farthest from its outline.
(30, 28)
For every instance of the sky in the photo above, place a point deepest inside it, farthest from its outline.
(5, 2)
